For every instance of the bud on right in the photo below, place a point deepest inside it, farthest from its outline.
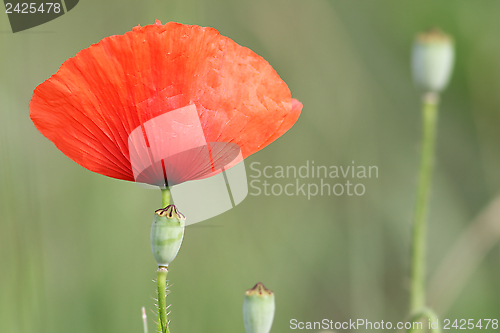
(258, 309)
(432, 60)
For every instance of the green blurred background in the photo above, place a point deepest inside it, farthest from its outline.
(74, 245)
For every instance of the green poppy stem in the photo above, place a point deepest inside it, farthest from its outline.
(162, 278)
(162, 300)
(418, 253)
(165, 197)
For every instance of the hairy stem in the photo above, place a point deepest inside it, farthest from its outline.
(162, 299)
(162, 278)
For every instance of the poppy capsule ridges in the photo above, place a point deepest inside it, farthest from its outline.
(167, 232)
(258, 309)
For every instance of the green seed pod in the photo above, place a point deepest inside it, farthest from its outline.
(258, 309)
(432, 60)
(167, 233)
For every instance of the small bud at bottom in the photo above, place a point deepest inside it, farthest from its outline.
(258, 309)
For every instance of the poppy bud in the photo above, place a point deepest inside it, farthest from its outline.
(167, 233)
(258, 309)
(432, 60)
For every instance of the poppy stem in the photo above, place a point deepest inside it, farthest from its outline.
(165, 197)
(162, 300)
(162, 278)
(417, 274)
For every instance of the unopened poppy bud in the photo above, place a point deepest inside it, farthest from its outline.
(432, 60)
(258, 309)
(167, 233)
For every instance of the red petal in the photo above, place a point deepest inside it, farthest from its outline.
(92, 104)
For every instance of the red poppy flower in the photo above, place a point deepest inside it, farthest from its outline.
(124, 107)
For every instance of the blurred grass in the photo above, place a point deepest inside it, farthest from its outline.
(74, 246)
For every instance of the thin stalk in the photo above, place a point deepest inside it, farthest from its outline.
(165, 197)
(162, 278)
(417, 278)
(162, 299)
(144, 320)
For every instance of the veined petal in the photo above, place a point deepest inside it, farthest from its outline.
(90, 107)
